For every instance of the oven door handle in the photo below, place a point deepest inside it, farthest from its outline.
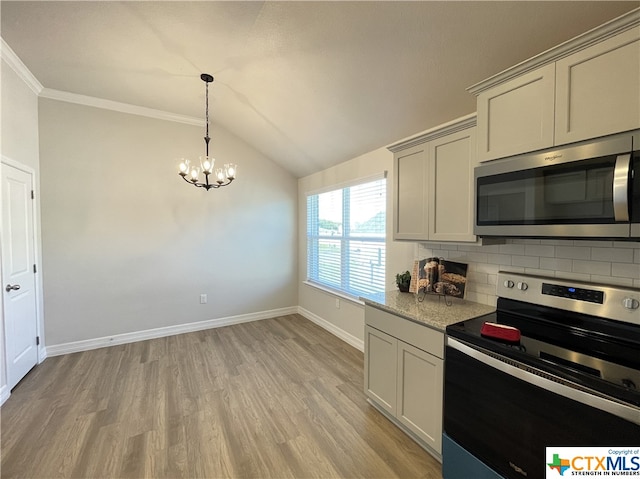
(621, 188)
(539, 378)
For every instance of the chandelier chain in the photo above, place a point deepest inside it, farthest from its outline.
(206, 138)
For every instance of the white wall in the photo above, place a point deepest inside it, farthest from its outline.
(19, 142)
(128, 246)
(347, 321)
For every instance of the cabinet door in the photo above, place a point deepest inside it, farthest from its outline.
(380, 368)
(451, 162)
(409, 195)
(517, 116)
(598, 89)
(420, 394)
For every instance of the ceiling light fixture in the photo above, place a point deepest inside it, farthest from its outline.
(191, 173)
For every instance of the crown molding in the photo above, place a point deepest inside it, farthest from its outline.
(10, 57)
(439, 131)
(118, 106)
(614, 27)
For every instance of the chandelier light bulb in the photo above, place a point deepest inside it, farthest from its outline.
(223, 177)
(184, 166)
(207, 164)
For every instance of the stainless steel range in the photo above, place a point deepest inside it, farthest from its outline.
(558, 364)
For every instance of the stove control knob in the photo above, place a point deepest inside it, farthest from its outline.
(523, 286)
(508, 284)
(630, 303)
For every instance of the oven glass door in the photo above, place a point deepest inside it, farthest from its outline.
(578, 192)
(506, 420)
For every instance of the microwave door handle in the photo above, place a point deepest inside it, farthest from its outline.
(621, 188)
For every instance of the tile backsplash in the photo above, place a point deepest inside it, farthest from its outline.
(606, 262)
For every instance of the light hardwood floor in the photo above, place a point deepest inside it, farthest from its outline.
(277, 398)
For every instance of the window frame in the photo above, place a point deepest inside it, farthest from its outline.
(313, 238)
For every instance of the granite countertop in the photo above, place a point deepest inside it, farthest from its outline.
(432, 311)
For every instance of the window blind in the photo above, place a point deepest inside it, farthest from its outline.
(346, 238)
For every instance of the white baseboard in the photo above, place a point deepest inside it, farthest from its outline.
(4, 394)
(87, 344)
(42, 353)
(332, 328)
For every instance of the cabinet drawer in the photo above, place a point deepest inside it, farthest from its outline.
(420, 336)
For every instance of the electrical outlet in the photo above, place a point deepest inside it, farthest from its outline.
(203, 299)
(337, 303)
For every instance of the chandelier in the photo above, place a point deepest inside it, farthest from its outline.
(191, 172)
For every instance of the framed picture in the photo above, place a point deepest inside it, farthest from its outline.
(441, 276)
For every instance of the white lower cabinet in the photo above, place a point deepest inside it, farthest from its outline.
(404, 375)
(381, 368)
(419, 387)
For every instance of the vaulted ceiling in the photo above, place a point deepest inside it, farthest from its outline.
(308, 84)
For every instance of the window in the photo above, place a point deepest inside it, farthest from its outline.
(346, 238)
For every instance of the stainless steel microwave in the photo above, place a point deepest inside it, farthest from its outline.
(589, 189)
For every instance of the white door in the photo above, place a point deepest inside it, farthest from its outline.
(19, 285)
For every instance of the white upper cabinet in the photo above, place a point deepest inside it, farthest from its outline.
(598, 89)
(452, 159)
(433, 184)
(584, 88)
(410, 194)
(517, 115)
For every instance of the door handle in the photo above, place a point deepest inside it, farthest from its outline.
(621, 188)
(14, 287)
